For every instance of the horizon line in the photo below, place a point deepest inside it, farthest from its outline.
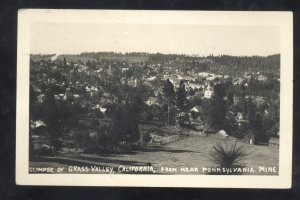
(163, 53)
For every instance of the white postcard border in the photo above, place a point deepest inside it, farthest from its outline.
(281, 19)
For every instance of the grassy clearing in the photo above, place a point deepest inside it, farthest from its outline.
(190, 152)
(157, 128)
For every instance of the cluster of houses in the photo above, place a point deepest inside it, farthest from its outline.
(92, 87)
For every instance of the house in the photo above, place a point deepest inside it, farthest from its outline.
(194, 109)
(262, 78)
(103, 110)
(99, 70)
(37, 124)
(208, 94)
(41, 98)
(238, 81)
(274, 142)
(239, 116)
(247, 75)
(211, 78)
(236, 100)
(203, 74)
(155, 138)
(99, 108)
(152, 101)
(195, 86)
(124, 69)
(38, 128)
(151, 78)
(221, 134)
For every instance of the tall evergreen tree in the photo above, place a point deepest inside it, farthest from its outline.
(169, 94)
(169, 91)
(65, 61)
(51, 117)
(125, 125)
(131, 125)
(181, 95)
(217, 110)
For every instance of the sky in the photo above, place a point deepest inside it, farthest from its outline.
(74, 38)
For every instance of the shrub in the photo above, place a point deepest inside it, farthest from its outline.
(228, 155)
(146, 137)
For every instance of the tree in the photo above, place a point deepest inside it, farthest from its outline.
(216, 111)
(230, 96)
(136, 101)
(250, 109)
(65, 61)
(169, 94)
(33, 116)
(33, 105)
(51, 117)
(117, 133)
(181, 95)
(131, 125)
(184, 120)
(146, 137)
(169, 91)
(69, 114)
(262, 126)
(147, 116)
(103, 136)
(231, 125)
(125, 125)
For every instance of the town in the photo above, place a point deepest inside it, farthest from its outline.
(108, 102)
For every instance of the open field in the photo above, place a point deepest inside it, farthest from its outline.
(190, 152)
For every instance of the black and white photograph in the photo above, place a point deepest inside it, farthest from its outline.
(154, 98)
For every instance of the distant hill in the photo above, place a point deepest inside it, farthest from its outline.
(224, 63)
(92, 57)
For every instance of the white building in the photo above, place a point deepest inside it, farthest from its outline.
(208, 93)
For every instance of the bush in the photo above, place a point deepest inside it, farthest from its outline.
(146, 137)
(147, 116)
(228, 155)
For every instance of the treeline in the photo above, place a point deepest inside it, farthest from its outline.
(232, 65)
(98, 55)
(241, 64)
(222, 64)
(260, 120)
